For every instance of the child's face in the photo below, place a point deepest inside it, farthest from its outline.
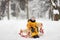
(33, 18)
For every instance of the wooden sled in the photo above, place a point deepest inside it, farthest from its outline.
(27, 33)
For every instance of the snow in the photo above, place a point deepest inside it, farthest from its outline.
(9, 29)
(55, 11)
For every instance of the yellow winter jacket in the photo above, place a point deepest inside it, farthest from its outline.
(32, 26)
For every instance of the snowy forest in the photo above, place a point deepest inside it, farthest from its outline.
(15, 16)
(24, 9)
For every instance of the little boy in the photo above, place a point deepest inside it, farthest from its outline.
(32, 27)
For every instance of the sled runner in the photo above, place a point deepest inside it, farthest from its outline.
(27, 34)
(24, 33)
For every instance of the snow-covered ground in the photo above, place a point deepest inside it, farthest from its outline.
(9, 29)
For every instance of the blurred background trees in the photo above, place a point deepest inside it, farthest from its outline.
(22, 9)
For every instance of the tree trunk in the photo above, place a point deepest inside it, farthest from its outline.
(27, 11)
(8, 10)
